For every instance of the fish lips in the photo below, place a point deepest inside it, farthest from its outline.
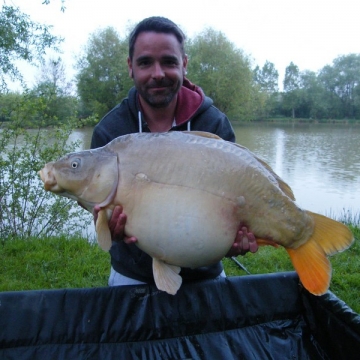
(49, 180)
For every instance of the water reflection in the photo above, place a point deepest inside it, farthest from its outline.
(279, 148)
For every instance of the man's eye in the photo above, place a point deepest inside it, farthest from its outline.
(170, 63)
(144, 63)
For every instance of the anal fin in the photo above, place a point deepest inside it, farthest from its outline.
(166, 276)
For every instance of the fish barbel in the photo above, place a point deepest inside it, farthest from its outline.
(186, 194)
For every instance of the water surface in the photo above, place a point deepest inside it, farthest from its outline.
(320, 162)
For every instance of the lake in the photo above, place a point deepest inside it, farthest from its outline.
(320, 162)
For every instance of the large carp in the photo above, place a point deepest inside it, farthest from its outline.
(185, 196)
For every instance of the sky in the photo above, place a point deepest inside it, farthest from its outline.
(309, 33)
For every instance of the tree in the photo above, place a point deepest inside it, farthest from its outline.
(267, 79)
(103, 78)
(21, 39)
(53, 72)
(47, 2)
(312, 97)
(53, 87)
(8, 103)
(327, 79)
(341, 81)
(291, 87)
(222, 71)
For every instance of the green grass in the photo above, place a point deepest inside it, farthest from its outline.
(52, 263)
(57, 263)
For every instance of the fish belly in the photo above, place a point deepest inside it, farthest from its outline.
(182, 226)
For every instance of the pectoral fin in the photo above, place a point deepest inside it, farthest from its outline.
(166, 276)
(103, 231)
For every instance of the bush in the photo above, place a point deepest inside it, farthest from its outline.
(26, 208)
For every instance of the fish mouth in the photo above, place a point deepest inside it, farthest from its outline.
(49, 180)
(41, 174)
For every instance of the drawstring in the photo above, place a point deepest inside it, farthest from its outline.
(174, 123)
(140, 122)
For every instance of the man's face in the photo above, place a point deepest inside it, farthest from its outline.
(157, 67)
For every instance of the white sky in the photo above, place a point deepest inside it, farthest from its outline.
(310, 33)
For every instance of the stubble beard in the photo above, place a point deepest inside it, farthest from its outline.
(160, 100)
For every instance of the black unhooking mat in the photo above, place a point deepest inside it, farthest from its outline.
(248, 317)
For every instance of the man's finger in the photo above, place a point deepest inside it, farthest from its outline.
(253, 246)
(130, 240)
(244, 242)
(117, 224)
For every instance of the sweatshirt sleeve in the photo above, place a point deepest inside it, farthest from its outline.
(97, 139)
(214, 121)
(119, 121)
(225, 130)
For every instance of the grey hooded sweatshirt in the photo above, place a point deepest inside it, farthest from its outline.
(195, 112)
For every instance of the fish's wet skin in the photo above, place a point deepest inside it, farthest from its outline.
(185, 195)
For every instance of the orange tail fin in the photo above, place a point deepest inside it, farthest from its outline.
(310, 259)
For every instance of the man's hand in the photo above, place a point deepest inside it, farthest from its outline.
(244, 242)
(117, 225)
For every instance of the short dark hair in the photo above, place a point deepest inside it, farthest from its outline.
(157, 24)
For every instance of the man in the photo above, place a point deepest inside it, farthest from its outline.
(163, 99)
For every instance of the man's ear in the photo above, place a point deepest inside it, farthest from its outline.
(185, 61)
(130, 67)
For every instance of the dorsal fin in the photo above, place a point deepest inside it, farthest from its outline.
(203, 134)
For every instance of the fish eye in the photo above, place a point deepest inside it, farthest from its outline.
(75, 163)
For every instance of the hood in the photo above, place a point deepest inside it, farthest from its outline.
(191, 100)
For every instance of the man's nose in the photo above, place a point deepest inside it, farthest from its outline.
(158, 72)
